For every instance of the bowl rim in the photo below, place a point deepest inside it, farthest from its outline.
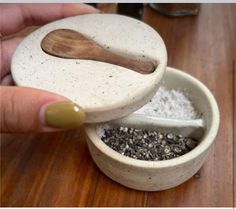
(206, 142)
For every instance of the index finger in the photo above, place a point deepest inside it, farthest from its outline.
(16, 17)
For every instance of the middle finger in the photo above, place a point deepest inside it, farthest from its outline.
(7, 50)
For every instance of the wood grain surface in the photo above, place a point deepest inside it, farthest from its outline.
(56, 169)
(71, 44)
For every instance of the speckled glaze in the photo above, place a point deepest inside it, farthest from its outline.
(161, 175)
(104, 90)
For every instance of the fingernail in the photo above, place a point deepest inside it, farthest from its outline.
(64, 115)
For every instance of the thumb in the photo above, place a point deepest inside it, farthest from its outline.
(32, 110)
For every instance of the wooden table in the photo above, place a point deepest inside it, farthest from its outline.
(57, 170)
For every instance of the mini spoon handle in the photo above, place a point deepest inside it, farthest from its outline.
(143, 67)
(71, 44)
(186, 127)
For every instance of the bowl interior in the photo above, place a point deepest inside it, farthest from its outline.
(203, 102)
(200, 96)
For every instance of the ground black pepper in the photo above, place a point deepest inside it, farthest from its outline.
(147, 145)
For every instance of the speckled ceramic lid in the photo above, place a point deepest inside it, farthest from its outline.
(104, 90)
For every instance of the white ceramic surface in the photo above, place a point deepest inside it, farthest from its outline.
(104, 90)
(161, 175)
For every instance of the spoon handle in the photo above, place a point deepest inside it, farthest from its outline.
(143, 67)
(193, 128)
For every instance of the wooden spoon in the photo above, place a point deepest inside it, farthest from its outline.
(71, 44)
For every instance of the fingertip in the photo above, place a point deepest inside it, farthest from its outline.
(61, 115)
(26, 109)
(85, 8)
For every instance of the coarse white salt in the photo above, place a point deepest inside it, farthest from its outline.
(169, 104)
(172, 104)
(100, 129)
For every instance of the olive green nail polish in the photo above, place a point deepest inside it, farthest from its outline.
(64, 115)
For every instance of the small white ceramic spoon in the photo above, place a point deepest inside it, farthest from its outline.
(193, 128)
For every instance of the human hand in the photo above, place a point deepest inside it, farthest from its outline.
(26, 109)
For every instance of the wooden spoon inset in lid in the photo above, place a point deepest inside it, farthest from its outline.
(71, 44)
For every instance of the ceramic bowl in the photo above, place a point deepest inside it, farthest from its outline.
(161, 175)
